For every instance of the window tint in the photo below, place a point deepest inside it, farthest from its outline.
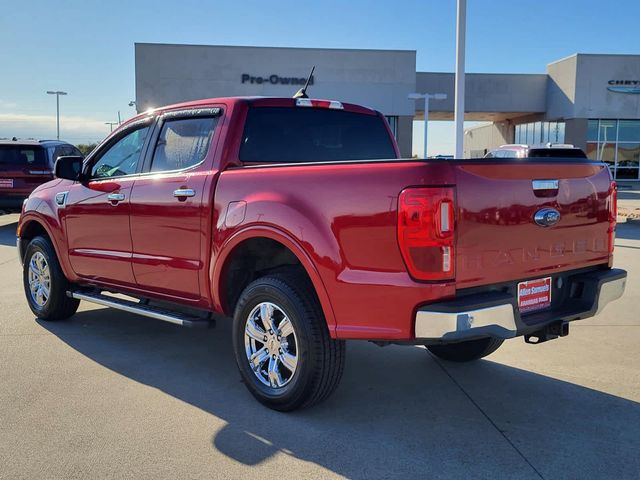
(300, 134)
(557, 153)
(182, 143)
(122, 157)
(18, 155)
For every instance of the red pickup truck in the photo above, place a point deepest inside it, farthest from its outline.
(297, 218)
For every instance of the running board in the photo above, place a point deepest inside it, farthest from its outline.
(165, 315)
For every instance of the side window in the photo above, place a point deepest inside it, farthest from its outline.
(122, 157)
(491, 154)
(182, 143)
(70, 150)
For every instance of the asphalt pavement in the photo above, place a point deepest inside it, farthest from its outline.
(108, 394)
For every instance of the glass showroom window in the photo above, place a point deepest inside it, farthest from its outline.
(535, 133)
(616, 142)
(393, 124)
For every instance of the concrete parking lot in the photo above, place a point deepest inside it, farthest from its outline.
(112, 395)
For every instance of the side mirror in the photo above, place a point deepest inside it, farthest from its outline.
(69, 167)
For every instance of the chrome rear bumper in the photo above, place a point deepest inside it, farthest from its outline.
(496, 314)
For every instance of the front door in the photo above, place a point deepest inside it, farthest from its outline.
(97, 211)
(168, 207)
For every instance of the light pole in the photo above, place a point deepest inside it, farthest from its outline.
(461, 25)
(57, 93)
(427, 97)
(111, 124)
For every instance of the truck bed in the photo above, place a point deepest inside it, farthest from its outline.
(345, 217)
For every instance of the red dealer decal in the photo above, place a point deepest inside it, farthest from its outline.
(534, 294)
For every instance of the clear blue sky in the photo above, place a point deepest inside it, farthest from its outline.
(86, 47)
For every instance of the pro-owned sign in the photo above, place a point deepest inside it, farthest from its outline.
(275, 79)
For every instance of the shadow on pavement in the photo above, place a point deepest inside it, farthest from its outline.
(397, 412)
(628, 231)
(628, 194)
(8, 234)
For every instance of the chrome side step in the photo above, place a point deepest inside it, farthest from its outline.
(158, 313)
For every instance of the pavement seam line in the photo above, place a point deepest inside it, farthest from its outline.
(485, 415)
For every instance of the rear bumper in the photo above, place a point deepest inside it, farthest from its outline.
(495, 314)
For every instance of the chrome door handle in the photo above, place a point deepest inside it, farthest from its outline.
(184, 193)
(115, 197)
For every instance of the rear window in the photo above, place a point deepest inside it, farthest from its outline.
(557, 153)
(21, 155)
(283, 135)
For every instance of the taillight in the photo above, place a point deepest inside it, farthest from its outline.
(426, 228)
(613, 213)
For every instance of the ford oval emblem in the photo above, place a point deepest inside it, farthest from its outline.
(547, 217)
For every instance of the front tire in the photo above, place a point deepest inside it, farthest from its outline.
(45, 286)
(282, 345)
(466, 351)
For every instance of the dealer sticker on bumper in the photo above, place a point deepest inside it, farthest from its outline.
(534, 294)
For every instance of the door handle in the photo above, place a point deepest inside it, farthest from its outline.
(115, 197)
(184, 193)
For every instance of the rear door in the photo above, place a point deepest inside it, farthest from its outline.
(22, 169)
(97, 210)
(498, 239)
(169, 207)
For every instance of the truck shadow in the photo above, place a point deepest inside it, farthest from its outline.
(396, 413)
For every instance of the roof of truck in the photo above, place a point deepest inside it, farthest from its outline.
(254, 100)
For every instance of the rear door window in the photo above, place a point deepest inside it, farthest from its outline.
(300, 134)
(183, 143)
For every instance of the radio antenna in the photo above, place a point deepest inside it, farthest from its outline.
(302, 93)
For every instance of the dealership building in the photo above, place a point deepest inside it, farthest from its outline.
(591, 101)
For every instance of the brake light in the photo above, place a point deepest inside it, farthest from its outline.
(308, 102)
(613, 214)
(426, 228)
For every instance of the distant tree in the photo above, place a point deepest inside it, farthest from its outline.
(86, 148)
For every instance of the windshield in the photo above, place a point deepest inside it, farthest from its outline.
(299, 134)
(21, 155)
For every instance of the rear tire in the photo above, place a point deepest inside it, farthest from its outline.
(466, 351)
(45, 286)
(282, 346)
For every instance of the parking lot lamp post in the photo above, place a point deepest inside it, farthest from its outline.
(427, 97)
(458, 115)
(57, 93)
(111, 124)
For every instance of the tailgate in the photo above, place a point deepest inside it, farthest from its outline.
(22, 169)
(497, 237)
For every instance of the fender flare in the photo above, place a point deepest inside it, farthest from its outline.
(289, 242)
(33, 216)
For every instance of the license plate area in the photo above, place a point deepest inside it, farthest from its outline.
(534, 295)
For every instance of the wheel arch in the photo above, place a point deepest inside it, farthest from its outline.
(233, 248)
(31, 226)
